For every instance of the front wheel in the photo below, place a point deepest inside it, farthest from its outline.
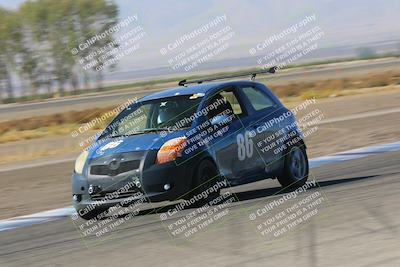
(205, 177)
(295, 172)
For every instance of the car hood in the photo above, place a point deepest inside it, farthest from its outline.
(140, 142)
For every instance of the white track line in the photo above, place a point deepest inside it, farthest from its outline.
(37, 164)
(360, 116)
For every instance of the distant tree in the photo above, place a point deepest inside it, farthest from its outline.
(38, 38)
(10, 32)
(95, 17)
(35, 17)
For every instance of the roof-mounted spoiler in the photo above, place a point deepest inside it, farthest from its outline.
(252, 75)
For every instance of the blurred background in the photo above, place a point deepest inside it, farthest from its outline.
(37, 36)
(64, 64)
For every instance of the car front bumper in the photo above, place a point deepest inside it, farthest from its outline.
(154, 180)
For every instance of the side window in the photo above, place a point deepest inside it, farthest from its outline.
(258, 99)
(231, 98)
(224, 102)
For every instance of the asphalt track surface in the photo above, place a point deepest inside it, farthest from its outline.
(357, 224)
(16, 111)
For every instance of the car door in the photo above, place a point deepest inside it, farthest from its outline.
(234, 150)
(264, 126)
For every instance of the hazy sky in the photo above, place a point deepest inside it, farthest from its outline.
(344, 22)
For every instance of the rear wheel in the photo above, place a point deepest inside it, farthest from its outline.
(295, 172)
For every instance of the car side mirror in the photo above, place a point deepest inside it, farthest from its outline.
(221, 120)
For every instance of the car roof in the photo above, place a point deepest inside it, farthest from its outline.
(193, 89)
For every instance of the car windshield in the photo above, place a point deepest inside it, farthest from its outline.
(170, 114)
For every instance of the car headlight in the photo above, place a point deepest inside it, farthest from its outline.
(171, 149)
(80, 162)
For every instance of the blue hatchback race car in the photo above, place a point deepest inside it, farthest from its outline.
(180, 142)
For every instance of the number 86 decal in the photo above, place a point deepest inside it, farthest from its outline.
(245, 145)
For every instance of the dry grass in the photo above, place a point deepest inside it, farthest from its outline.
(337, 87)
(35, 155)
(50, 125)
(16, 135)
(72, 117)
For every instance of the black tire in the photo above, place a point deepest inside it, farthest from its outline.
(92, 214)
(205, 176)
(295, 171)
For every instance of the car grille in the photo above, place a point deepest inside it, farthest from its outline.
(125, 194)
(123, 167)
